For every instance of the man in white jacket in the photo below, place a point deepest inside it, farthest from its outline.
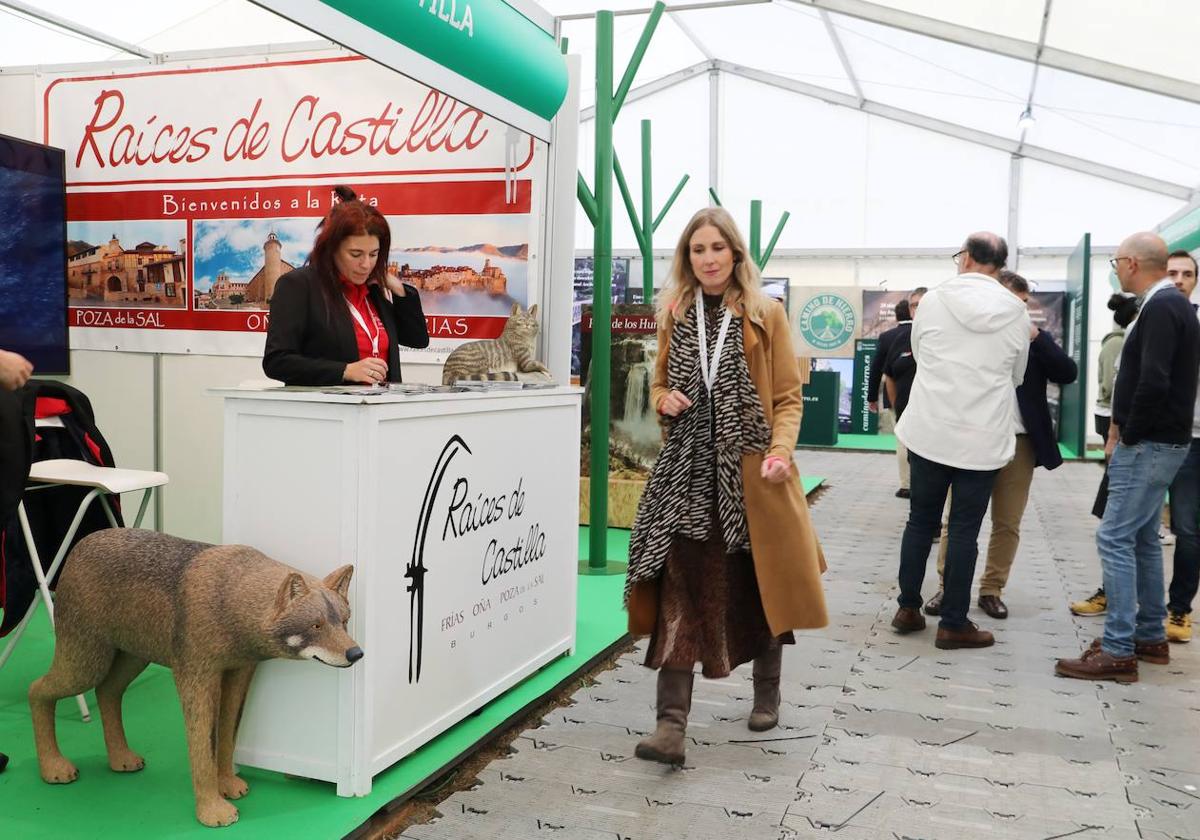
(971, 342)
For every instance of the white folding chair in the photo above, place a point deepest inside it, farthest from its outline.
(103, 481)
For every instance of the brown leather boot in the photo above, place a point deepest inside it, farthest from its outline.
(674, 702)
(765, 714)
(1156, 653)
(968, 636)
(1097, 664)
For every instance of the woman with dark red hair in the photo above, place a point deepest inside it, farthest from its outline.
(342, 318)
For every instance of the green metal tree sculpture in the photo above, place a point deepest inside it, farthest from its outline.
(645, 227)
(598, 207)
(757, 254)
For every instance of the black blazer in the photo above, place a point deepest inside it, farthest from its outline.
(1047, 363)
(308, 345)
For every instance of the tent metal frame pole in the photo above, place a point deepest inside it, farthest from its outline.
(655, 86)
(843, 57)
(714, 129)
(79, 29)
(1014, 210)
(674, 7)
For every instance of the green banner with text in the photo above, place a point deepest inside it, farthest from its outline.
(863, 421)
(485, 41)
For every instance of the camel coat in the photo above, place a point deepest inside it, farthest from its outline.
(788, 560)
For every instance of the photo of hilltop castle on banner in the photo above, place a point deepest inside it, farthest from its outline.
(127, 264)
(238, 261)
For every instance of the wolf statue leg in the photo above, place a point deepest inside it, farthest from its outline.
(200, 696)
(234, 685)
(79, 664)
(109, 693)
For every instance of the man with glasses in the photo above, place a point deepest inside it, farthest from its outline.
(1184, 499)
(1037, 446)
(1152, 411)
(970, 339)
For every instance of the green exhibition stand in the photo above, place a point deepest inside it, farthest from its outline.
(821, 395)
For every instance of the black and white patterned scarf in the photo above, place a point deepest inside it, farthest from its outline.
(679, 495)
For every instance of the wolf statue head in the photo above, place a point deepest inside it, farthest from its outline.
(310, 623)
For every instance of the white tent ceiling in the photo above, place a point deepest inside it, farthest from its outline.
(965, 63)
(1113, 85)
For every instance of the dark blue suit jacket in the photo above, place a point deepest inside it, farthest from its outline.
(1047, 363)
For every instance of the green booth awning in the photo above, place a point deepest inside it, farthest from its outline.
(486, 42)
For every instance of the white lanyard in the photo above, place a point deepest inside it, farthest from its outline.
(709, 371)
(374, 339)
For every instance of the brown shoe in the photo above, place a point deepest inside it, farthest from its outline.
(1095, 664)
(993, 606)
(674, 702)
(908, 620)
(967, 636)
(1156, 653)
(934, 605)
(765, 714)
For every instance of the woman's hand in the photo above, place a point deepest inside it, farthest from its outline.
(674, 404)
(369, 371)
(15, 370)
(775, 469)
(393, 285)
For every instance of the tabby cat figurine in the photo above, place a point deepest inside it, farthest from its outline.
(506, 357)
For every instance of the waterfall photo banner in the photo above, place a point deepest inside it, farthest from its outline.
(635, 437)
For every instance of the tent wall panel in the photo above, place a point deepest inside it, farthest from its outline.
(799, 155)
(1057, 204)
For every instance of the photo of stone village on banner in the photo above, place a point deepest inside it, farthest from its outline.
(190, 192)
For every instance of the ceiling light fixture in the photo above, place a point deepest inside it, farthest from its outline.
(1026, 121)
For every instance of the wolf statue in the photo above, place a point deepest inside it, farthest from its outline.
(129, 597)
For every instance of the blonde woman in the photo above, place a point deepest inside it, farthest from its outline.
(723, 561)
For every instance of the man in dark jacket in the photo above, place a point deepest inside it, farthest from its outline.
(1153, 402)
(892, 341)
(1037, 446)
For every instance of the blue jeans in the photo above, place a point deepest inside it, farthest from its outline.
(929, 484)
(1130, 553)
(1185, 514)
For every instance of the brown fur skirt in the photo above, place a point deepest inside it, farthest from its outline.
(709, 609)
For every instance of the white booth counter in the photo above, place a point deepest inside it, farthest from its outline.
(460, 514)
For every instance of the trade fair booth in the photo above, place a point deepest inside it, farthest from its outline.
(193, 184)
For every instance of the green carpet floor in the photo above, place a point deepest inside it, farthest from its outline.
(887, 443)
(157, 802)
